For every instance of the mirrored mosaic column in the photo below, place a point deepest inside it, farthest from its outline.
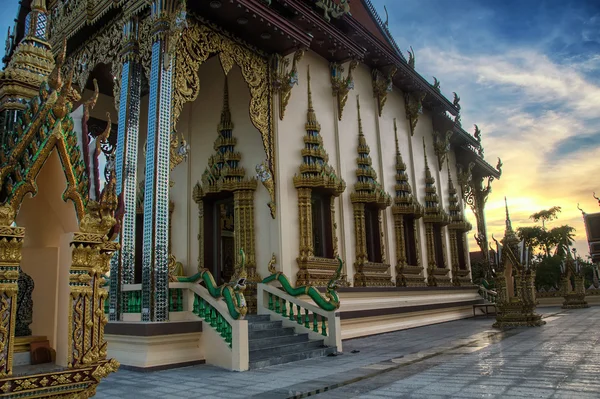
(155, 256)
(122, 268)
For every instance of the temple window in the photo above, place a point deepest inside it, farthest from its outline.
(321, 224)
(373, 235)
(438, 246)
(410, 247)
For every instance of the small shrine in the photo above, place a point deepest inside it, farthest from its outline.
(573, 282)
(515, 282)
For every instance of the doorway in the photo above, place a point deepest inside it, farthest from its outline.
(219, 238)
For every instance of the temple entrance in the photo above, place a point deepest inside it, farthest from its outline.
(219, 243)
(42, 317)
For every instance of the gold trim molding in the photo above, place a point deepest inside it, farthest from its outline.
(341, 86)
(382, 85)
(283, 80)
(197, 43)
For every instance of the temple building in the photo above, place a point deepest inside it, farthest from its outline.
(254, 169)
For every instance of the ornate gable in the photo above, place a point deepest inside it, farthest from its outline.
(404, 202)
(224, 172)
(367, 189)
(315, 172)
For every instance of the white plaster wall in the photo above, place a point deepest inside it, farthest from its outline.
(290, 141)
(198, 124)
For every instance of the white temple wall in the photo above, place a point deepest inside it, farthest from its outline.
(290, 142)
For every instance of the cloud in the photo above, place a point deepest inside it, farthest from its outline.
(535, 97)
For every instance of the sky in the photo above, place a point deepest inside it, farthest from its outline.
(528, 73)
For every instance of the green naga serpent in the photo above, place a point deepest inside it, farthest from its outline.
(232, 292)
(328, 303)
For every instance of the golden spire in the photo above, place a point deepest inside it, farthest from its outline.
(425, 153)
(311, 117)
(360, 131)
(226, 123)
(396, 137)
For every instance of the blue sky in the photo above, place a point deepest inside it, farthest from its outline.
(528, 73)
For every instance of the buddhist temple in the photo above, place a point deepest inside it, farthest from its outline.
(205, 181)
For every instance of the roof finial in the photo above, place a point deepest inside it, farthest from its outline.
(508, 223)
(360, 131)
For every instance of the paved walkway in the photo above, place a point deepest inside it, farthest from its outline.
(461, 359)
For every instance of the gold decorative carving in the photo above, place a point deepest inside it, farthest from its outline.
(341, 86)
(197, 43)
(406, 206)
(382, 85)
(413, 108)
(367, 191)
(334, 9)
(441, 147)
(282, 80)
(104, 47)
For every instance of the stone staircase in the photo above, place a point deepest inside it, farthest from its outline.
(270, 343)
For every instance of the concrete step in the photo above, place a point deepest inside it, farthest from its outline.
(253, 318)
(281, 350)
(264, 325)
(269, 342)
(290, 357)
(270, 333)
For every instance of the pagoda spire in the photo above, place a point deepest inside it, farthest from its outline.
(367, 177)
(226, 123)
(433, 210)
(404, 198)
(311, 117)
(223, 166)
(29, 65)
(315, 170)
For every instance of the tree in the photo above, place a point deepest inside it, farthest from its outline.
(546, 215)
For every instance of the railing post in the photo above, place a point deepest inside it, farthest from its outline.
(239, 345)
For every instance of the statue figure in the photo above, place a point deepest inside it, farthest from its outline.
(436, 84)
(24, 305)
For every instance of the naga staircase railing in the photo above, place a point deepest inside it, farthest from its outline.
(221, 308)
(320, 319)
(486, 293)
